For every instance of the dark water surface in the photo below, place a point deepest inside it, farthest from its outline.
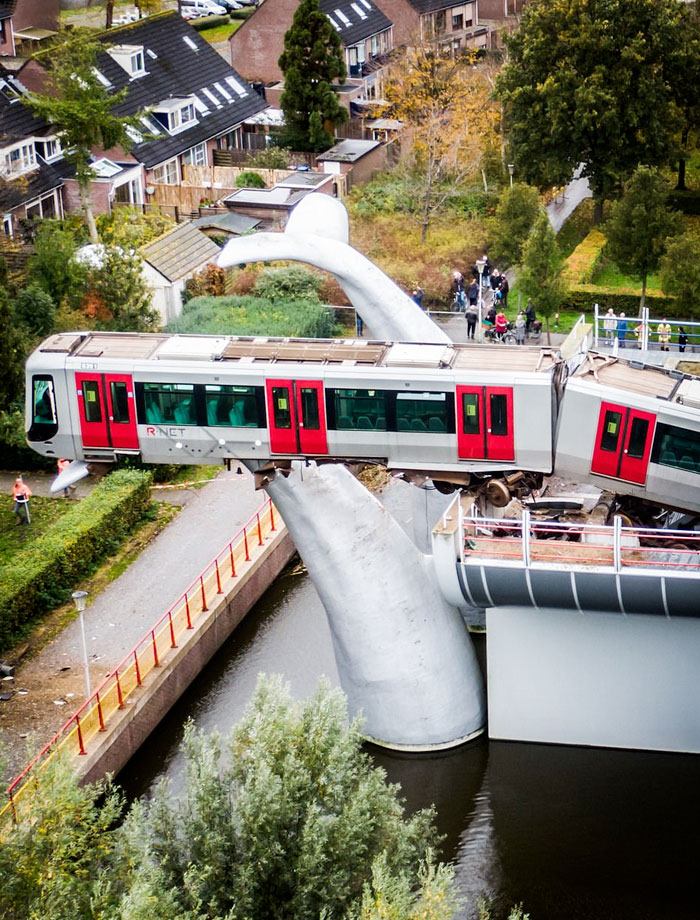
(574, 833)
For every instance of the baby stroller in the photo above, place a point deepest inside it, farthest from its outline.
(535, 331)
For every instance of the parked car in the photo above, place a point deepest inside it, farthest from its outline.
(231, 5)
(192, 9)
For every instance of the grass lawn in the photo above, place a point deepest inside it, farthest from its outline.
(218, 34)
(610, 275)
(13, 538)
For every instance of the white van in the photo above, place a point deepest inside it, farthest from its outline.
(192, 9)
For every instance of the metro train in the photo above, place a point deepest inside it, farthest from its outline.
(498, 419)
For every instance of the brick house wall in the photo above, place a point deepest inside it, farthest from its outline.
(42, 14)
(258, 43)
(405, 19)
(99, 195)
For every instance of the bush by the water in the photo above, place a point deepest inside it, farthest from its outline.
(43, 575)
(294, 283)
(253, 316)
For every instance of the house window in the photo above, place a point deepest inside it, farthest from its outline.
(182, 118)
(52, 148)
(167, 173)
(7, 225)
(361, 55)
(21, 159)
(352, 57)
(136, 64)
(374, 50)
(440, 22)
(128, 193)
(468, 23)
(458, 22)
(197, 156)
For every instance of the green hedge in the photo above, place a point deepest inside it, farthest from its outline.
(209, 22)
(248, 315)
(582, 298)
(43, 575)
(585, 259)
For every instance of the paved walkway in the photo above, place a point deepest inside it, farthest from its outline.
(119, 617)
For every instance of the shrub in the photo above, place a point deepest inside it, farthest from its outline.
(584, 261)
(209, 22)
(254, 316)
(210, 282)
(272, 157)
(42, 575)
(13, 444)
(582, 298)
(35, 309)
(250, 179)
(293, 283)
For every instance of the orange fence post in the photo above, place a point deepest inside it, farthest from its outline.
(260, 540)
(80, 736)
(218, 578)
(138, 669)
(155, 648)
(233, 564)
(187, 610)
(245, 540)
(173, 643)
(119, 691)
(99, 712)
(204, 596)
(272, 516)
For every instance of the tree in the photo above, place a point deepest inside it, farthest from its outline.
(639, 226)
(516, 213)
(53, 266)
(680, 271)
(122, 292)
(13, 349)
(285, 818)
(541, 278)
(451, 122)
(311, 61)
(596, 82)
(80, 109)
(35, 309)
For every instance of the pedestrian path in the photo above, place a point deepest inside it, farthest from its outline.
(117, 619)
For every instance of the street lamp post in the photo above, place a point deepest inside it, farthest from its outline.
(480, 266)
(80, 601)
(511, 170)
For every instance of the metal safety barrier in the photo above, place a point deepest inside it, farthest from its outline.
(93, 716)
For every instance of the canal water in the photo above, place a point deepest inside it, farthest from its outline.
(571, 833)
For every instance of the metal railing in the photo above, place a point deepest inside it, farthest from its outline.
(526, 542)
(642, 332)
(149, 653)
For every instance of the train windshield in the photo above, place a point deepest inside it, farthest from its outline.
(44, 417)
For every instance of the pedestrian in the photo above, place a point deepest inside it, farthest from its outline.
(501, 324)
(520, 328)
(62, 465)
(638, 329)
(530, 317)
(359, 325)
(472, 316)
(621, 331)
(417, 296)
(609, 326)
(682, 338)
(21, 493)
(473, 292)
(505, 287)
(487, 269)
(460, 298)
(495, 280)
(491, 316)
(663, 331)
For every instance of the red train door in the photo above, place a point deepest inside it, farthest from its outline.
(485, 423)
(623, 442)
(107, 410)
(297, 417)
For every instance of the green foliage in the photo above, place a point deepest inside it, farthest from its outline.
(311, 61)
(386, 193)
(541, 276)
(249, 315)
(293, 283)
(210, 22)
(285, 818)
(584, 261)
(122, 291)
(640, 224)
(35, 309)
(680, 271)
(14, 453)
(210, 282)
(53, 265)
(131, 228)
(581, 299)
(392, 897)
(515, 215)
(250, 179)
(45, 572)
(605, 84)
(12, 351)
(58, 860)
(272, 157)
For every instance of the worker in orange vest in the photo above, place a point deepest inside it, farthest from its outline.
(21, 493)
(62, 465)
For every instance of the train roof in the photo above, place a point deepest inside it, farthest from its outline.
(249, 350)
(643, 379)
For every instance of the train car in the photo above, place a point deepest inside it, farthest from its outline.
(633, 429)
(450, 412)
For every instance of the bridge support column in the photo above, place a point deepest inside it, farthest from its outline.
(404, 656)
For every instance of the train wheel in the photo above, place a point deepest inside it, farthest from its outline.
(444, 488)
(498, 493)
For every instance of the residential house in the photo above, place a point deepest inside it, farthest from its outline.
(25, 23)
(365, 32)
(30, 183)
(453, 23)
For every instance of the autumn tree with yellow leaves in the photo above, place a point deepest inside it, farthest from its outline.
(451, 120)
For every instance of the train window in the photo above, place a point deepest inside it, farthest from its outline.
(170, 403)
(91, 400)
(44, 402)
(431, 412)
(120, 402)
(470, 413)
(281, 408)
(231, 406)
(611, 431)
(676, 447)
(638, 438)
(363, 410)
(499, 413)
(309, 409)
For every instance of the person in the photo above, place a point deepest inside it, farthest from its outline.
(21, 493)
(472, 316)
(495, 280)
(473, 292)
(682, 338)
(62, 465)
(520, 327)
(458, 288)
(505, 287)
(638, 330)
(359, 325)
(501, 323)
(621, 330)
(663, 330)
(530, 317)
(491, 317)
(609, 326)
(487, 270)
(417, 296)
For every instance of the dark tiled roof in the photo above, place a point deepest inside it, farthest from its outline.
(433, 6)
(179, 252)
(29, 186)
(363, 19)
(16, 120)
(7, 8)
(177, 70)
